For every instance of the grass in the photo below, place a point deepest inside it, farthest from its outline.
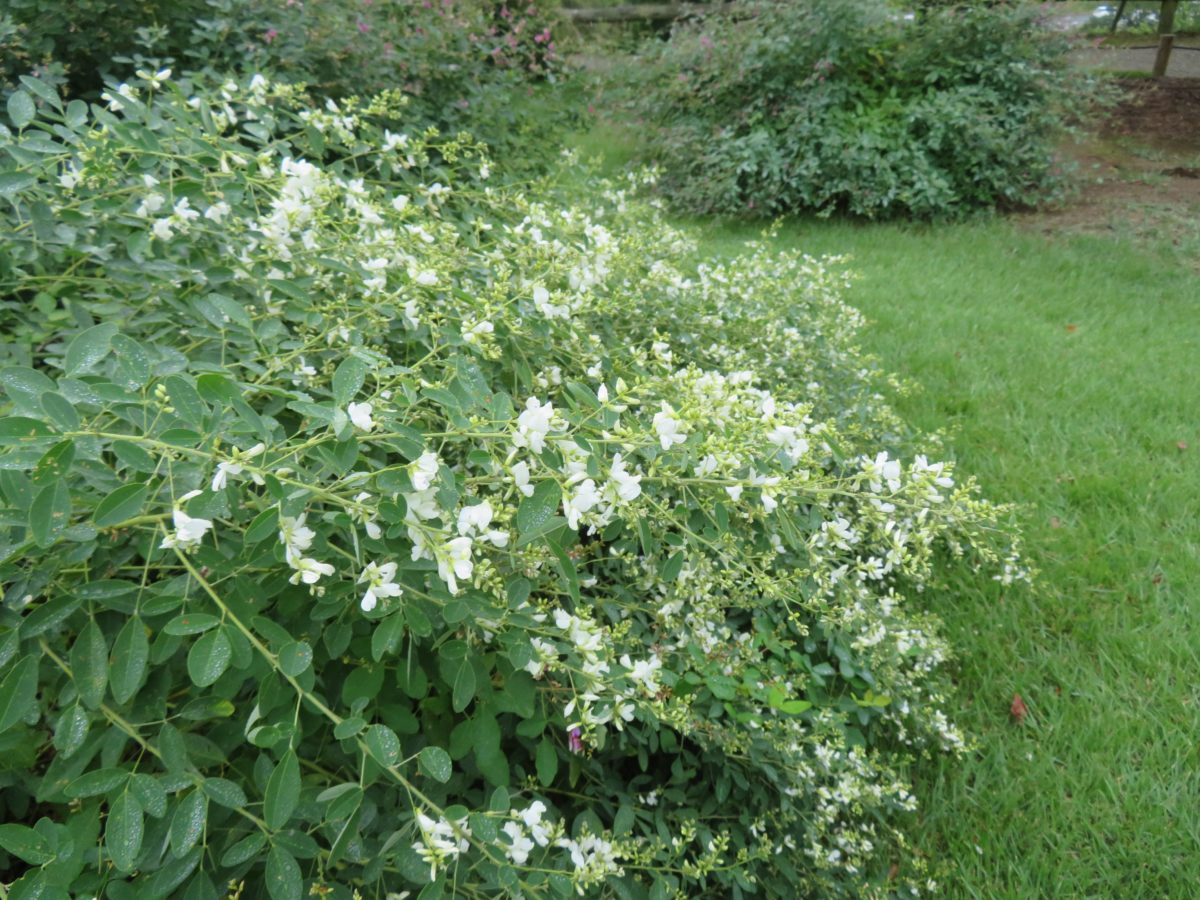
(1065, 371)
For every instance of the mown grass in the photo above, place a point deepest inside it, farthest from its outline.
(1065, 369)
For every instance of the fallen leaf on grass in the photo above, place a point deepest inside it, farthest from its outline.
(1018, 709)
(1071, 329)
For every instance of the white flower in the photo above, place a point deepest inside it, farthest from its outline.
(474, 519)
(381, 582)
(393, 141)
(399, 202)
(360, 415)
(217, 212)
(295, 536)
(183, 210)
(454, 562)
(163, 229)
(532, 817)
(441, 842)
(473, 332)
(880, 470)
(189, 532)
(426, 278)
(629, 487)
(533, 424)
(519, 847)
(520, 473)
(541, 300)
(309, 570)
(423, 472)
(235, 467)
(643, 672)
(667, 427)
(156, 78)
(579, 501)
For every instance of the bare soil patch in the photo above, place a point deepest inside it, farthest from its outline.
(1139, 176)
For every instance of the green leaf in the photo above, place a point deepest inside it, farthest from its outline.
(386, 637)
(26, 843)
(133, 362)
(265, 524)
(283, 875)
(43, 90)
(435, 762)
(672, 567)
(187, 825)
(123, 832)
(50, 513)
(151, 794)
(186, 402)
(383, 744)
(71, 731)
(546, 761)
(18, 692)
(55, 464)
(16, 430)
(122, 504)
(130, 654)
(95, 783)
(89, 664)
(191, 623)
(464, 686)
(89, 347)
(295, 658)
(209, 658)
(349, 727)
(536, 511)
(130, 454)
(13, 182)
(225, 792)
(21, 109)
(76, 113)
(348, 379)
(245, 849)
(283, 791)
(723, 687)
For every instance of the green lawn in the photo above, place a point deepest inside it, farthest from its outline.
(1067, 373)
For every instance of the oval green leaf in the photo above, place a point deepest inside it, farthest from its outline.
(122, 504)
(209, 658)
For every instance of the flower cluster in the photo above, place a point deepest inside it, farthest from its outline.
(530, 537)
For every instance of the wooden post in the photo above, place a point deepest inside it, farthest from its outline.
(1166, 36)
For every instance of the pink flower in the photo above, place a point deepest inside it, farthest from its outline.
(575, 740)
(270, 35)
(363, 27)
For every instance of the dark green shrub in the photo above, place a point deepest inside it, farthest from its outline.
(368, 529)
(773, 107)
(473, 65)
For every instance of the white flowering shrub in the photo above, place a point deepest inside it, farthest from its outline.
(368, 531)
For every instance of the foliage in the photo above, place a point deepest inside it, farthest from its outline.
(1142, 19)
(772, 107)
(468, 64)
(1105, 468)
(367, 527)
(464, 65)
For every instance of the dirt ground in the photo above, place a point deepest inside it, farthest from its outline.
(1140, 174)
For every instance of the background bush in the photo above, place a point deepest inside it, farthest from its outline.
(369, 528)
(474, 65)
(770, 107)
